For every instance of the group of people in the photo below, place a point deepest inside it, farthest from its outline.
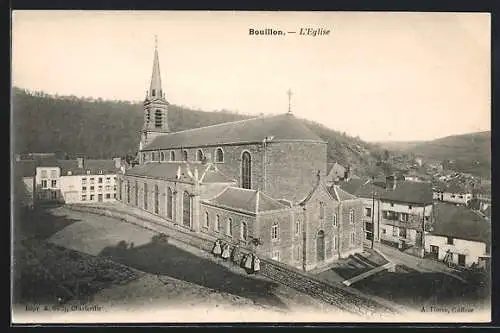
(250, 262)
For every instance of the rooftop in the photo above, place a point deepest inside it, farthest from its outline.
(460, 222)
(405, 191)
(282, 127)
(249, 201)
(94, 166)
(339, 194)
(207, 173)
(25, 168)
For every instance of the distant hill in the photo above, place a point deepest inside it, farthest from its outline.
(70, 125)
(399, 146)
(470, 152)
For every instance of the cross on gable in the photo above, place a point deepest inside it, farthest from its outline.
(289, 92)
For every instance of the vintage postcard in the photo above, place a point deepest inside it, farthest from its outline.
(205, 166)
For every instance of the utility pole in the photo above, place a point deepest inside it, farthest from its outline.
(423, 232)
(373, 218)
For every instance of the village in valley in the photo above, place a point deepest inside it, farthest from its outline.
(242, 215)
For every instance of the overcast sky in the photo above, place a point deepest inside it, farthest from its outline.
(382, 76)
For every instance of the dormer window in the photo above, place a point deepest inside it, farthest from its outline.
(88, 172)
(69, 173)
(100, 172)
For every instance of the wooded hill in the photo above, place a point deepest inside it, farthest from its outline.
(469, 152)
(96, 128)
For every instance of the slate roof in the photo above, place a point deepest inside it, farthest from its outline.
(249, 201)
(282, 127)
(339, 194)
(106, 166)
(460, 222)
(25, 168)
(168, 171)
(405, 191)
(352, 185)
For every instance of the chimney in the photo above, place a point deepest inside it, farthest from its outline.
(81, 162)
(118, 162)
(347, 173)
(391, 182)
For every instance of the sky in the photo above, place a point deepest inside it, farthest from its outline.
(381, 76)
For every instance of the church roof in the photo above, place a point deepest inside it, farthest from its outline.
(169, 171)
(284, 127)
(249, 201)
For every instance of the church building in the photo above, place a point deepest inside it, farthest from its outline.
(255, 182)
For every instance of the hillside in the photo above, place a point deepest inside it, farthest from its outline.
(469, 152)
(103, 129)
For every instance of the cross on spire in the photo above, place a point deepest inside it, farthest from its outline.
(289, 93)
(156, 41)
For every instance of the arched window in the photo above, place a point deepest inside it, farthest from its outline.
(172, 155)
(136, 199)
(351, 216)
(145, 196)
(158, 118)
(217, 223)
(153, 156)
(143, 157)
(229, 227)
(186, 209)
(170, 202)
(199, 155)
(243, 231)
(334, 219)
(246, 170)
(219, 155)
(321, 210)
(207, 221)
(157, 195)
(128, 191)
(274, 231)
(185, 155)
(162, 156)
(320, 246)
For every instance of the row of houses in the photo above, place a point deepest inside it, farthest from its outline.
(400, 213)
(49, 180)
(407, 214)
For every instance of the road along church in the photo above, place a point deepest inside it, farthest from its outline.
(255, 182)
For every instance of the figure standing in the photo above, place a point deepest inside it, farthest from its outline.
(256, 264)
(217, 250)
(225, 252)
(248, 263)
(235, 255)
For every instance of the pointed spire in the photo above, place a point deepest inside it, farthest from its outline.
(155, 87)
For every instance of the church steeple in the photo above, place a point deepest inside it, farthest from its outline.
(155, 107)
(155, 86)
